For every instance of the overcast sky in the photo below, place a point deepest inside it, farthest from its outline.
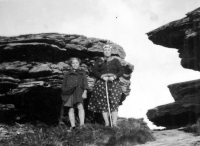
(124, 22)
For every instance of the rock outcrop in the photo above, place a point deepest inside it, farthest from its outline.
(32, 68)
(184, 35)
(185, 110)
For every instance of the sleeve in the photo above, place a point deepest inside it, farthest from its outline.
(85, 82)
(119, 69)
(64, 84)
(95, 69)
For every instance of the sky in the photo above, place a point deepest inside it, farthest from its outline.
(124, 22)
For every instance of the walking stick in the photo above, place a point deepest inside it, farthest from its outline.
(108, 104)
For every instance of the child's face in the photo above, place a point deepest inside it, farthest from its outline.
(75, 64)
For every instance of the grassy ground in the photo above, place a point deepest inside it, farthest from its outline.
(131, 132)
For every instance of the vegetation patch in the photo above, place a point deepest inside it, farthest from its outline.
(129, 132)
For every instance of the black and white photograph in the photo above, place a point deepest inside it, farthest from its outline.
(99, 72)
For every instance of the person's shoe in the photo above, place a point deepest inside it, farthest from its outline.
(61, 123)
(107, 125)
(72, 129)
(116, 127)
(82, 126)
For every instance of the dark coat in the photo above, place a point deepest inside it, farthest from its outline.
(111, 65)
(75, 82)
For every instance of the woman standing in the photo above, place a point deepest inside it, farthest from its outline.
(74, 90)
(107, 70)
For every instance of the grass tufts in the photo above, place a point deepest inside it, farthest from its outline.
(130, 132)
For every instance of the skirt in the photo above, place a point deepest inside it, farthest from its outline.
(98, 100)
(70, 102)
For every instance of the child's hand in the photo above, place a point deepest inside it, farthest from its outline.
(84, 95)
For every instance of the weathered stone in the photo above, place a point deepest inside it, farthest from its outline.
(183, 90)
(97, 47)
(83, 41)
(16, 67)
(174, 115)
(32, 68)
(50, 43)
(7, 113)
(125, 85)
(6, 86)
(75, 47)
(185, 110)
(184, 35)
(42, 69)
(8, 78)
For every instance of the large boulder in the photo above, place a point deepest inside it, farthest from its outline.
(32, 68)
(184, 35)
(185, 110)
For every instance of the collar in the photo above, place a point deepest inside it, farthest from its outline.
(108, 59)
(76, 72)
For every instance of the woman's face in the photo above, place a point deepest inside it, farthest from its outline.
(107, 52)
(75, 64)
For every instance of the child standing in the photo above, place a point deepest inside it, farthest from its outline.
(74, 90)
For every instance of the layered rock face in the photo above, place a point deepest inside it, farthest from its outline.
(184, 35)
(32, 68)
(185, 110)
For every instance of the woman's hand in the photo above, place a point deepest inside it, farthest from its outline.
(105, 78)
(108, 77)
(84, 95)
(111, 78)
